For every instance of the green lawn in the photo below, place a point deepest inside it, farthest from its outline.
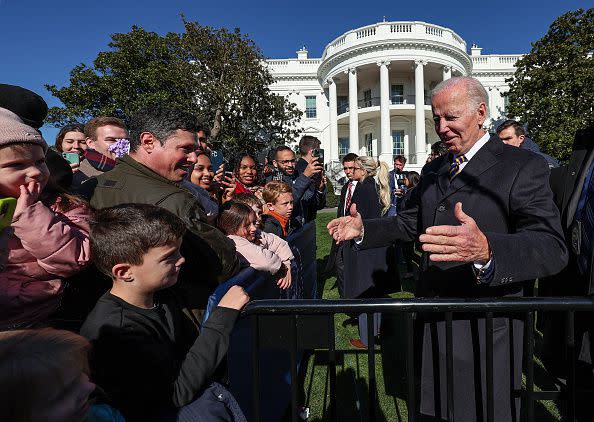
(352, 370)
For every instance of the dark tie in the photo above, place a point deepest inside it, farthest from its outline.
(455, 166)
(348, 198)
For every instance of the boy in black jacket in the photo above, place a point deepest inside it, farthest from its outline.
(147, 352)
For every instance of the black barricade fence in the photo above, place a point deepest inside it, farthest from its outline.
(277, 370)
(298, 325)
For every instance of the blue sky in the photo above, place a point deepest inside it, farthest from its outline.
(41, 41)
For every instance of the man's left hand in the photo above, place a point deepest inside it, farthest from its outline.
(464, 243)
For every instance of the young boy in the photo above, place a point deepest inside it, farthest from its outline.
(278, 197)
(147, 352)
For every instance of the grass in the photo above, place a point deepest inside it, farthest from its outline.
(352, 368)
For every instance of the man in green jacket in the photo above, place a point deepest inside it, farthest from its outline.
(162, 151)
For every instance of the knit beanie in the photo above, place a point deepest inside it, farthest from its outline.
(14, 131)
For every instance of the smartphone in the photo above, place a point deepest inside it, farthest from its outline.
(71, 157)
(216, 159)
(7, 206)
(319, 152)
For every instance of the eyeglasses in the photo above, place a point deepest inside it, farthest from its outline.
(287, 161)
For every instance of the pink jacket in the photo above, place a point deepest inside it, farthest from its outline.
(46, 247)
(268, 254)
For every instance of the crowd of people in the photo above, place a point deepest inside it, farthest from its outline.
(114, 238)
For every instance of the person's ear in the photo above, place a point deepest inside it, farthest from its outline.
(482, 114)
(270, 206)
(148, 142)
(521, 138)
(90, 142)
(122, 272)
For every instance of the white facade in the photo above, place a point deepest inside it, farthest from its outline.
(369, 92)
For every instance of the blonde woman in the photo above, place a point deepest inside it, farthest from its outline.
(366, 272)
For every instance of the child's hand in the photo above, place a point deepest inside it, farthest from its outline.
(29, 195)
(285, 282)
(235, 298)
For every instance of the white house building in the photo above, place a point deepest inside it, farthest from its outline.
(369, 92)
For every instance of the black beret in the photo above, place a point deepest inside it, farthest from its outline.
(30, 107)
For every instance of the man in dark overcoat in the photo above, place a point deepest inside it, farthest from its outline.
(488, 227)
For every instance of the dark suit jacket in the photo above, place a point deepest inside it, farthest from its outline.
(506, 191)
(364, 269)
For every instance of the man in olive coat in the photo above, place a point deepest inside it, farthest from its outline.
(162, 152)
(488, 227)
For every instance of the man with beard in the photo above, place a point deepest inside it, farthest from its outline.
(303, 196)
(162, 151)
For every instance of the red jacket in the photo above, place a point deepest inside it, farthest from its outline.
(46, 247)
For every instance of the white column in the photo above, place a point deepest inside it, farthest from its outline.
(333, 120)
(447, 72)
(353, 112)
(386, 136)
(420, 151)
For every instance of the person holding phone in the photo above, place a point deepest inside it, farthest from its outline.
(309, 149)
(71, 143)
(210, 193)
(303, 185)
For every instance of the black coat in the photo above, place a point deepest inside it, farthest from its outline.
(506, 191)
(365, 269)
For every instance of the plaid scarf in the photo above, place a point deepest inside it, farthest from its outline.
(99, 161)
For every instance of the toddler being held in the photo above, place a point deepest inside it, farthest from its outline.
(262, 251)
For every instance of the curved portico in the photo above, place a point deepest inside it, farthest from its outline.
(378, 79)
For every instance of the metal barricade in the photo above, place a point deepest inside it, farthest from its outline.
(298, 310)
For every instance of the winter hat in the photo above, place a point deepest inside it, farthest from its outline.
(26, 104)
(14, 131)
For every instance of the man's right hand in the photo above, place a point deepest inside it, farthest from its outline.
(348, 227)
(235, 298)
(313, 167)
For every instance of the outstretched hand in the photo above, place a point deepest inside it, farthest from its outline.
(347, 227)
(463, 243)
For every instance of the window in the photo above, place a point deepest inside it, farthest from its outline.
(310, 107)
(397, 142)
(368, 144)
(367, 98)
(343, 147)
(397, 94)
(342, 104)
(505, 105)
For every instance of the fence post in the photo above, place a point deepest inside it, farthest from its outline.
(256, 366)
(570, 343)
(371, 366)
(449, 366)
(410, 368)
(489, 356)
(530, 366)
